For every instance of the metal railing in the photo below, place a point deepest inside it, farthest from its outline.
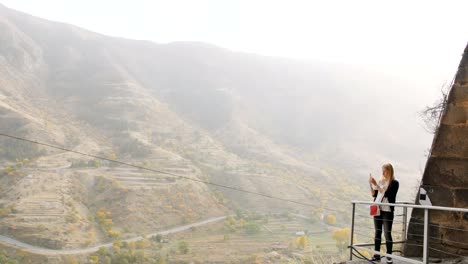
(405, 207)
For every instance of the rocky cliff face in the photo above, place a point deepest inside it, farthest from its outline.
(446, 177)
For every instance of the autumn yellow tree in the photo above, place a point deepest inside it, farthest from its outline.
(71, 260)
(302, 241)
(241, 222)
(114, 234)
(92, 236)
(116, 246)
(144, 243)
(94, 259)
(113, 156)
(330, 219)
(341, 237)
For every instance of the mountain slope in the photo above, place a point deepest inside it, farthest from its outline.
(268, 125)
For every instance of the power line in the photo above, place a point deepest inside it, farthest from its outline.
(165, 172)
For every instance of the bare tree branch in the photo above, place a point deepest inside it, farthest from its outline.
(432, 114)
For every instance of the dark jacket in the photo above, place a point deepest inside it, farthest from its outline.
(390, 193)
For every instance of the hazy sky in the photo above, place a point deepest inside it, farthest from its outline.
(413, 39)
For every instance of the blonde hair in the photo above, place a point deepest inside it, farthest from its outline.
(388, 167)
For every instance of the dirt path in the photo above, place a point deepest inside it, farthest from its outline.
(46, 251)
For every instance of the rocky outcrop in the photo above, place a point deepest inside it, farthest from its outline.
(446, 177)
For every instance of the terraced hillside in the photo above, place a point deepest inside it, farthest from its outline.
(275, 242)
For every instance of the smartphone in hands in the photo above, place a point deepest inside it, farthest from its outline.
(372, 182)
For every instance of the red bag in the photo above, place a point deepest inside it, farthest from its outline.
(374, 210)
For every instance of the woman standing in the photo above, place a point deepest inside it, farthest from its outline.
(387, 189)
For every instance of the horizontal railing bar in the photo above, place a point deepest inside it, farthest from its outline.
(440, 208)
(371, 244)
(389, 255)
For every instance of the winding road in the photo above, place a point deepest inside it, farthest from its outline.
(46, 251)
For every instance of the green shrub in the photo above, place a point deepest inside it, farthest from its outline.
(252, 228)
(183, 247)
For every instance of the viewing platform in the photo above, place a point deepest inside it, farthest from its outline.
(430, 251)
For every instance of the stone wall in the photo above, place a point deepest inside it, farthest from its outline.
(446, 177)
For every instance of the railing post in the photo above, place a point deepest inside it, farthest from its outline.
(352, 234)
(405, 222)
(426, 241)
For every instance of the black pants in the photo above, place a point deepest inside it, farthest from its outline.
(385, 220)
